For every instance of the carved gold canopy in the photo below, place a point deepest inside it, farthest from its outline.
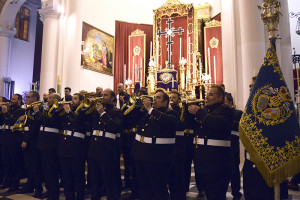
(171, 7)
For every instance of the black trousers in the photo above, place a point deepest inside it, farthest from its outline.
(189, 157)
(1, 168)
(126, 149)
(11, 157)
(103, 174)
(153, 180)
(50, 163)
(73, 177)
(176, 178)
(255, 187)
(33, 167)
(236, 174)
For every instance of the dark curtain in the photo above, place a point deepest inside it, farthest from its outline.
(123, 30)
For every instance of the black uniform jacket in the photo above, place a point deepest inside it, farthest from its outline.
(214, 122)
(9, 119)
(102, 147)
(180, 140)
(31, 128)
(162, 123)
(71, 146)
(49, 140)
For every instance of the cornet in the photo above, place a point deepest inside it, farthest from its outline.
(38, 103)
(142, 97)
(4, 103)
(55, 105)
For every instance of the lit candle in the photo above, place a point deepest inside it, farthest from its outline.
(208, 56)
(215, 70)
(180, 49)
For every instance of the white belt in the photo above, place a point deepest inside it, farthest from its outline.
(188, 131)
(179, 133)
(48, 129)
(7, 127)
(212, 142)
(235, 133)
(75, 134)
(105, 134)
(88, 133)
(148, 140)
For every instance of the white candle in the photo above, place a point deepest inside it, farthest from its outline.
(187, 44)
(133, 68)
(180, 49)
(150, 50)
(172, 82)
(141, 71)
(208, 56)
(215, 70)
(124, 73)
(157, 52)
(189, 49)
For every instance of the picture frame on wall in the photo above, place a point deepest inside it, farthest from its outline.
(97, 50)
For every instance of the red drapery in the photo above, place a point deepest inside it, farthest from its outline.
(213, 51)
(122, 31)
(137, 50)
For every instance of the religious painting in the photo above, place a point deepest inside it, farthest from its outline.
(97, 50)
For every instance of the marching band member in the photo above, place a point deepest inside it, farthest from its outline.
(71, 150)
(11, 150)
(47, 143)
(102, 150)
(154, 146)
(213, 155)
(29, 145)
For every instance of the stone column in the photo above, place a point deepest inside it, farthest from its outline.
(5, 39)
(244, 47)
(48, 78)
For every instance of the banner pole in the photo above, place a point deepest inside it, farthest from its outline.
(277, 192)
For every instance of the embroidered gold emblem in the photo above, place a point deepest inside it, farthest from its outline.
(270, 105)
(214, 43)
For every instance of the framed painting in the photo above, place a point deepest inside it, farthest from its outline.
(97, 50)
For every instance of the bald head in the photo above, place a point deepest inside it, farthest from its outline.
(99, 91)
(120, 88)
(52, 97)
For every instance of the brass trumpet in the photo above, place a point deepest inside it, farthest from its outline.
(87, 102)
(142, 97)
(4, 103)
(55, 105)
(33, 104)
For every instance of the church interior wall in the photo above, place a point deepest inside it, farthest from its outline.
(102, 15)
(22, 57)
(294, 6)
